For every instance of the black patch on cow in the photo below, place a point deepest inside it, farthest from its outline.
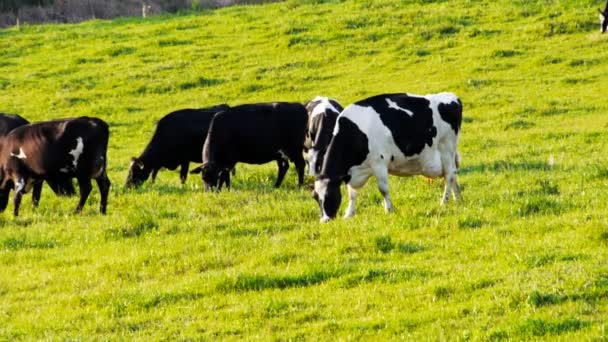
(452, 114)
(347, 149)
(411, 133)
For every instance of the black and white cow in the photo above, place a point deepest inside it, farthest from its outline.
(254, 134)
(177, 141)
(8, 122)
(399, 134)
(604, 18)
(322, 115)
(55, 151)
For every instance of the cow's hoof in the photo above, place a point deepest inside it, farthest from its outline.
(324, 219)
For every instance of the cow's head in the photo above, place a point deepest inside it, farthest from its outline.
(211, 175)
(138, 173)
(328, 196)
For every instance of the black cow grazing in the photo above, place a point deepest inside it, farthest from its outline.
(322, 115)
(254, 134)
(399, 134)
(8, 122)
(604, 18)
(55, 151)
(177, 141)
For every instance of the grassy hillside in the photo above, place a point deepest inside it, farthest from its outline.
(525, 256)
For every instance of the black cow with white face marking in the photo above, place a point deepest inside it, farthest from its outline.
(322, 115)
(177, 141)
(604, 18)
(254, 134)
(55, 151)
(400, 134)
(8, 122)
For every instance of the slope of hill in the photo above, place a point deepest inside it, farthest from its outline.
(523, 257)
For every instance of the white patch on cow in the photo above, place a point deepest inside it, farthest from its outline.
(64, 169)
(312, 161)
(77, 151)
(323, 105)
(283, 155)
(321, 190)
(394, 105)
(21, 154)
(20, 185)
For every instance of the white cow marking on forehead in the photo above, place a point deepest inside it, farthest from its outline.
(392, 104)
(21, 154)
(77, 151)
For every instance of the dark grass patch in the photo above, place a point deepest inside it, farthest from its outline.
(279, 259)
(470, 222)
(481, 284)
(256, 282)
(168, 298)
(536, 327)
(547, 187)
(519, 124)
(410, 247)
(442, 292)
(540, 260)
(598, 171)
(505, 53)
(604, 236)
(252, 88)
(120, 51)
(448, 30)
(538, 299)
(23, 242)
(422, 53)
(173, 42)
(384, 244)
(584, 62)
(386, 276)
(305, 40)
(551, 111)
(83, 60)
(498, 335)
(201, 82)
(476, 32)
(4, 83)
(276, 308)
(506, 166)
(539, 206)
(551, 60)
(138, 223)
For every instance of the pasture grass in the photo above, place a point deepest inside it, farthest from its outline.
(524, 256)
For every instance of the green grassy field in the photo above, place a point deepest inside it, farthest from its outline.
(525, 256)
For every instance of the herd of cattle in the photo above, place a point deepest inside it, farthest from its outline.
(399, 134)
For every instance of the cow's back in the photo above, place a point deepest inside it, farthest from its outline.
(253, 133)
(8, 122)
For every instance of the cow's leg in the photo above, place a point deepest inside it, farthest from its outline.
(154, 172)
(84, 183)
(36, 192)
(283, 166)
(103, 183)
(183, 172)
(19, 190)
(300, 164)
(381, 175)
(352, 196)
(448, 161)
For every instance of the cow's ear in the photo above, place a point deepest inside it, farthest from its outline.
(197, 170)
(346, 178)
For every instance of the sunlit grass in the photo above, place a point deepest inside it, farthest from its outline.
(523, 257)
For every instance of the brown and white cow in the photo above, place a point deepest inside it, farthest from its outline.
(54, 151)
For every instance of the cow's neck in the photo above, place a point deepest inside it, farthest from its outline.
(348, 148)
